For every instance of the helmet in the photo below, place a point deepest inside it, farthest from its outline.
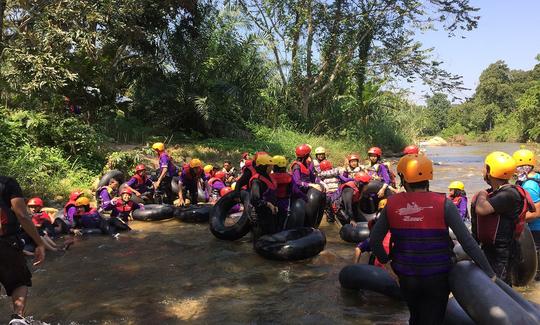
(126, 190)
(224, 191)
(245, 155)
(303, 150)
(264, 160)
(208, 168)
(375, 151)
(362, 177)
(353, 156)
(415, 168)
(524, 157)
(280, 161)
(195, 163)
(75, 195)
(325, 165)
(382, 204)
(501, 165)
(159, 146)
(320, 150)
(411, 150)
(233, 186)
(457, 185)
(140, 167)
(35, 201)
(220, 175)
(82, 201)
(257, 154)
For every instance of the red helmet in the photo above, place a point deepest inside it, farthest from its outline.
(362, 177)
(353, 156)
(257, 154)
(303, 150)
(126, 190)
(375, 151)
(224, 191)
(245, 155)
(325, 165)
(139, 168)
(220, 175)
(75, 195)
(35, 201)
(411, 150)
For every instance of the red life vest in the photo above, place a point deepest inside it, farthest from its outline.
(187, 172)
(356, 191)
(283, 181)
(270, 183)
(140, 180)
(68, 206)
(488, 226)
(123, 208)
(386, 245)
(421, 244)
(40, 217)
(252, 170)
(303, 169)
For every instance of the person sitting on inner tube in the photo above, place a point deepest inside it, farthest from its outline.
(459, 197)
(123, 207)
(140, 184)
(215, 184)
(530, 181)
(352, 167)
(320, 156)
(330, 179)
(90, 218)
(208, 171)
(303, 173)
(363, 247)
(63, 224)
(350, 196)
(498, 214)
(411, 150)
(247, 172)
(379, 171)
(106, 193)
(421, 251)
(43, 224)
(230, 172)
(189, 181)
(284, 190)
(167, 170)
(263, 191)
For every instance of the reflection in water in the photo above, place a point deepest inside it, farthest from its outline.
(169, 272)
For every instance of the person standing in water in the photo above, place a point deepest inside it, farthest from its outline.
(419, 218)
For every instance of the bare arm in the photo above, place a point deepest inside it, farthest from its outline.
(483, 207)
(533, 215)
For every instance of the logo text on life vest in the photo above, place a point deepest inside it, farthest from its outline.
(411, 208)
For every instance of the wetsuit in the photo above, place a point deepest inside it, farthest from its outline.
(422, 250)
(247, 173)
(380, 171)
(508, 204)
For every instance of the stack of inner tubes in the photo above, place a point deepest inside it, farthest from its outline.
(354, 234)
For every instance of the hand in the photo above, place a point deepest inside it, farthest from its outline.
(315, 186)
(353, 223)
(39, 255)
(272, 208)
(181, 202)
(156, 185)
(381, 192)
(137, 193)
(494, 278)
(390, 271)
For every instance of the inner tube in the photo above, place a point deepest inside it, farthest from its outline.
(219, 214)
(460, 253)
(198, 213)
(525, 267)
(369, 203)
(174, 184)
(115, 173)
(376, 279)
(484, 301)
(153, 212)
(354, 234)
(369, 277)
(314, 208)
(291, 245)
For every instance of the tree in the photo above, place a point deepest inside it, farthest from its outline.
(438, 107)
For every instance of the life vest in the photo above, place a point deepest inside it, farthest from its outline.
(270, 183)
(189, 175)
(9, 225)
(140, 180)
(373, 171)
(40, 217)
(122, 209)
(303, 169)
(283, 183)
(386, 245)
(356, 190)
(487, 227)
(457, 202)
(90, 219)
(251, 169)
(70, 205)
(421, 244)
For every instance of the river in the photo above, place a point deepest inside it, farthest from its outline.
(170, 273)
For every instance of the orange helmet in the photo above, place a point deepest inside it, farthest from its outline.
(362, 177)
(375, 151)
(302, 150)
(35, 201)
(224, 191)
(415, 168)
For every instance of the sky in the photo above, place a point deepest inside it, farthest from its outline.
(508, 30)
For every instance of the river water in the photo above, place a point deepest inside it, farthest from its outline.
(170, 273)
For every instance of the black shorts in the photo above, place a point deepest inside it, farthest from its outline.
(14, 272)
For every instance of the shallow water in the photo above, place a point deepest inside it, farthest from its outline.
(169, 273)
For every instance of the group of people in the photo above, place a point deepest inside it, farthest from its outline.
(409, 236)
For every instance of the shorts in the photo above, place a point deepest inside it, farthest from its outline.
(14, 272)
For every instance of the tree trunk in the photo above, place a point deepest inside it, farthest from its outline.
(364, 47)
(2, 10)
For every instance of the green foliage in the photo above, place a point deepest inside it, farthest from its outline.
(529, 110)
(124, 161)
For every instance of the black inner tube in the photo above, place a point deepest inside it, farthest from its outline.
(153, 212)
(291, 245)
(220, 211)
